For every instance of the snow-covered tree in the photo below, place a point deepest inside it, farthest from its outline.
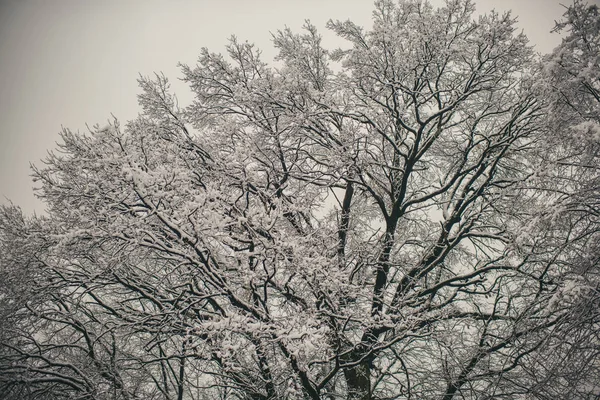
(383, 221)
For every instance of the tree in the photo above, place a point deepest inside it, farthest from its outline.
(569, 82)
(383, 231)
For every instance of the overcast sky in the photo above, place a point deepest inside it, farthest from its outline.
(72, 62)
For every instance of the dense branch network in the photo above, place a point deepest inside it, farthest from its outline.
(415, 223)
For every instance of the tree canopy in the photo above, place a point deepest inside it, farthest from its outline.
(413, 216)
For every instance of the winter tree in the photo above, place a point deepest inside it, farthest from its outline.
(414, 216)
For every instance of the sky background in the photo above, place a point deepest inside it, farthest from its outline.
(72, 62)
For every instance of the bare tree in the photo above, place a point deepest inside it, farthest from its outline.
(398, 226)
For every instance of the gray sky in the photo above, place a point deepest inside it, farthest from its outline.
(72, 62)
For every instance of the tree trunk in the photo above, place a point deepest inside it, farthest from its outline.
(358, 380)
